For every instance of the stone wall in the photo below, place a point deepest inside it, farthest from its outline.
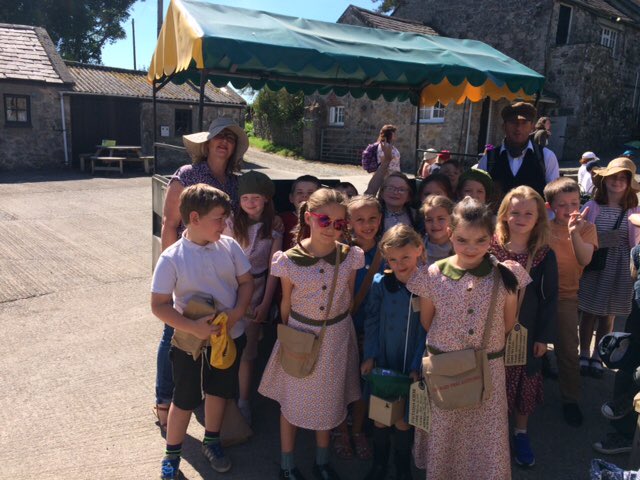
(40, 144)
(168, 159)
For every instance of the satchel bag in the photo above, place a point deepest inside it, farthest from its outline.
(599, 258)
(461, 379)
(299, 350)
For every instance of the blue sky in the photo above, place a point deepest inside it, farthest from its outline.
(120, 53)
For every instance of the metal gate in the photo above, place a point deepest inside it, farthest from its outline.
(556, 140)
(342, 145)
(97, 118)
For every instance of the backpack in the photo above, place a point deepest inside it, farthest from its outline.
(370, 157)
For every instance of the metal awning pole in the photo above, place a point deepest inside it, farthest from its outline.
(466, 143)
(203, 83)
(416, 159)
(155, 126)
(488, 135)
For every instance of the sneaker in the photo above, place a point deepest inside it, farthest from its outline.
(617, 408)
(170, 467)
(572, 414)
(324, 472)
(523, 453)
(293, 474)
(218, 460)
(613, 444)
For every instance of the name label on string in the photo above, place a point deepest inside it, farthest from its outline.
(419, 408)
(516, 347)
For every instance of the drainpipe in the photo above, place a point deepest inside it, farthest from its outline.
(486, 140)
(64, 130)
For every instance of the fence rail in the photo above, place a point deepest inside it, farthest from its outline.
(344, 145)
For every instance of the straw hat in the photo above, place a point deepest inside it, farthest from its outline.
(193, 142)
(618, 165)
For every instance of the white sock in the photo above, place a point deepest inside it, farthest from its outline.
(516, 431)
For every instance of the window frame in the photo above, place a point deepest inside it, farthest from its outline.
(334, 116)
(17, 123)
(175, 121)
(613, 37)
(434, 114)
(566, 42)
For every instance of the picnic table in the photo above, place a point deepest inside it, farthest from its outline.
(112, 158)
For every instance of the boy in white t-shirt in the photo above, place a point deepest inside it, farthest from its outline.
(207, 265)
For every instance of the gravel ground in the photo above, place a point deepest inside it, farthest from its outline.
(78, 361)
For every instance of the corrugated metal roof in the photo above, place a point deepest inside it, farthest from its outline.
(24, 57)
(378, 20)
(133, 83)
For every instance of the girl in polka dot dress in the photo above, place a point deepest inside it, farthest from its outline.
(454, 308)
(319, 401)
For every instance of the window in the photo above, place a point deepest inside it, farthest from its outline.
(608, 37)
(17, 110)
(183, 125)
(433, 114)
(564, 24)
(336, 116)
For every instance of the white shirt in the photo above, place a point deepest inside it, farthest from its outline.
(552, 169)
(584, 180)
(188, 270)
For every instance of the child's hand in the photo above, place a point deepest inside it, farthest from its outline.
(539, 349)
(387, 150)
(576, 220)
(203, 329)
(366, 367)
(260, 313)
(233, 316)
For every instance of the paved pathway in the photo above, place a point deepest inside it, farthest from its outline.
(78, 342)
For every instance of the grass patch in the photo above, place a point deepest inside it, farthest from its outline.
(269, 147)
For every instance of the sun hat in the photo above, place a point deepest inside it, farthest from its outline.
(430, 154)
(479, 176)
(256, 182)
(617, 165)
(519, 111)
(193, 142)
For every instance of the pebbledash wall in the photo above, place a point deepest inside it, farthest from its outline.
(594, 85)
(40, 143)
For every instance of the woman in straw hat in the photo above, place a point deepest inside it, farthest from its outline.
(216, 155)
(607, 291)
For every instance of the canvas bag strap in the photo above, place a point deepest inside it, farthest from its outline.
(332, 290)
(619, 221)
(368, 279)
(492, 307)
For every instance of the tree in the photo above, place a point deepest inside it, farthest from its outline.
(279, 116)
(78, 28)
(387, 6)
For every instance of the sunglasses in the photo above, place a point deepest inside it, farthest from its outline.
(324, 221)
(228, 136)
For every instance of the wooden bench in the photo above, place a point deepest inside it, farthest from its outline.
(109, 160)
(83, 158)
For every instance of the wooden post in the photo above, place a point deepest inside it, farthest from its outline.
(203, 83)
(416, 158)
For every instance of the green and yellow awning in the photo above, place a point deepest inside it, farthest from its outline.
(256, 48)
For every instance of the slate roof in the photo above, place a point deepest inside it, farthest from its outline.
(99, 80)
(603, 7)
(377, 20)
(27, 53)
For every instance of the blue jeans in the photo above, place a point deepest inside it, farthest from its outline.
(164, 372)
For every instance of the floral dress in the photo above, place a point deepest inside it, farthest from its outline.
(319, 401)
(469, 442)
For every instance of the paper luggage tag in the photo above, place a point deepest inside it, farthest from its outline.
(516, 347)
(415, 304)
(419, 408)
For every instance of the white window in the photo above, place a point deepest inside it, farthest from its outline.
(608, 37)
(433, 114)
(336, 116)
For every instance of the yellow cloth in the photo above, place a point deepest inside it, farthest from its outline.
(223, 348)
(445, 93)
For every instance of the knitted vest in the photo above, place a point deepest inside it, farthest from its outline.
(531, 173)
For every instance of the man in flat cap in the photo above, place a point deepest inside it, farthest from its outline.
(518, 161)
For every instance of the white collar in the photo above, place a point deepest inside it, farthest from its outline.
(189, 244)
(528, 147)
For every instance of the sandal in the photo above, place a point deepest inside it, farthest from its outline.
(162, 414)
(363, 449)
(342, 446)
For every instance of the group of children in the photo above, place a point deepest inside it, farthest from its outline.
(441, 261)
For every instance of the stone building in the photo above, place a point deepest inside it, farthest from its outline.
(588, 50)
(56, 110)
(338, 128)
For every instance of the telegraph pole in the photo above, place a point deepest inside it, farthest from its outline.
(133, 30)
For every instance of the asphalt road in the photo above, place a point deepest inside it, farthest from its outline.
(78, 343)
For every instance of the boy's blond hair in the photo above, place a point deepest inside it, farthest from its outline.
(400, 236)
(202, 198)
(558, 186)
(540, 234)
